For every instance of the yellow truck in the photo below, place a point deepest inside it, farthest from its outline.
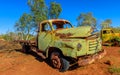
(109, 37)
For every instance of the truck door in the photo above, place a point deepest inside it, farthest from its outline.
(44, 37)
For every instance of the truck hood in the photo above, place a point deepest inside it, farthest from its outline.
(117, 34)
(83, 31)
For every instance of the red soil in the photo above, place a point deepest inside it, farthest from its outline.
(13, 62)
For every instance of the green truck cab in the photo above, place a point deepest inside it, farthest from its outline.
(62, 44)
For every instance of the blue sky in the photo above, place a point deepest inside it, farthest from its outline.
(11, 10)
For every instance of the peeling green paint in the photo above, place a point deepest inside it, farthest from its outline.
(68, 39)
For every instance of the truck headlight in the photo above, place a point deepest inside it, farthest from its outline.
(79, 46)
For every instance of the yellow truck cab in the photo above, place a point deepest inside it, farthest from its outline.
(109, 37)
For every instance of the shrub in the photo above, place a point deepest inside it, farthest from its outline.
(114, 69)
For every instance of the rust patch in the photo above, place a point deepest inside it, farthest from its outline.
(91, 59)
(63, 35)
(66, 40)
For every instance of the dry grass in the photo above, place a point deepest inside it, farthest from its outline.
(5, 45)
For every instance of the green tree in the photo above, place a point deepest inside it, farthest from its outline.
(24, 25)
(106, 24)
(86, 20)
(55, 10)
(39, 11)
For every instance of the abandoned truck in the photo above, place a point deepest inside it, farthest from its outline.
(63, 45)
(110, 37)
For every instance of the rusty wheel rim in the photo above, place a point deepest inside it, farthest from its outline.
(56, 61)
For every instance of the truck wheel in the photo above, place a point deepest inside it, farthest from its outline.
(58, 62)
(26, 49)
(116, 43)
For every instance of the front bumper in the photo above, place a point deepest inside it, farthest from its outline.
(90, 59)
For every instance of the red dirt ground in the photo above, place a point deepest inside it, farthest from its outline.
(14, 62)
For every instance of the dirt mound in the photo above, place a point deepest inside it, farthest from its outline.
(5, 45)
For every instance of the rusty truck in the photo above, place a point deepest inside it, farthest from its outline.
(65, 45)
(110, 37)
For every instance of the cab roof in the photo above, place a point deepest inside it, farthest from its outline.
(55, 20)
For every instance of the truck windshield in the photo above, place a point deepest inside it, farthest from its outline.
(107, 31)
(61, 25)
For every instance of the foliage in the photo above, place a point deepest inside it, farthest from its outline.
(39, 11)
(117, 38)
(116, 29)
(86, 20)
(119, 51)
(114, 69)
(106, 23)
(24, 25)
(12, 36)
(9, 36)
(1, 37)
(55, 10)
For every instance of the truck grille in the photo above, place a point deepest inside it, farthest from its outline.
(93, 45)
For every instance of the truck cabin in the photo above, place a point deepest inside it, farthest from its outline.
(107, 31)
(51, 25)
